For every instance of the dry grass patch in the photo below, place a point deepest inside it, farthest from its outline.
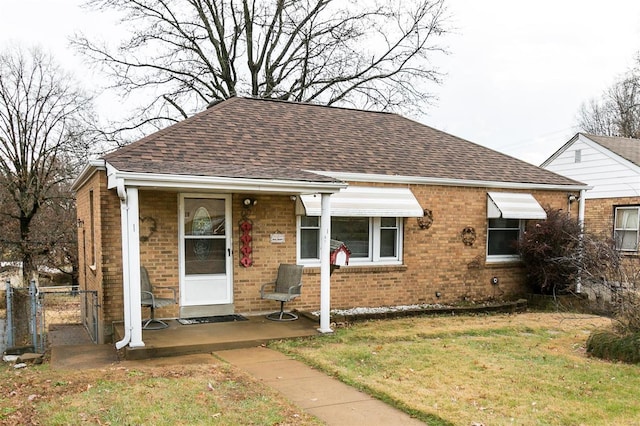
(211, 394)
(500, 369)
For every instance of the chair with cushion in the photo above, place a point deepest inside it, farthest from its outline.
(149, 297)
(287, 287)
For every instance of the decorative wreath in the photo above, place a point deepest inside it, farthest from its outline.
(148, 226)
(468, 236)
(426, 221)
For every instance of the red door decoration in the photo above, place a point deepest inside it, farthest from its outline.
(246, 250)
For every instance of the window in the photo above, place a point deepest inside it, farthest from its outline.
(370, 239)
(625, 232)
(502, 238)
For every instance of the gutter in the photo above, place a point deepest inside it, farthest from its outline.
(219, 183)
(87, 171)
(418, 180)
(581, 208)
(126, 281)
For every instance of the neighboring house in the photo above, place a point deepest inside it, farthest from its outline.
(213, 204)
(611, 165)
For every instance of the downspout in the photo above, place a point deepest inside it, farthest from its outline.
(581, 208)
(126, 281)
(325, 267)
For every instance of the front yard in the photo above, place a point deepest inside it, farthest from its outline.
(520, 369)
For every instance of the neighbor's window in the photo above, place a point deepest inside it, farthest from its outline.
(502, 238)
(370, 239)
(625, 232)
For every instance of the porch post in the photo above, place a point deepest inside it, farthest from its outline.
(133, 214)
(581, 209)
(325, 267)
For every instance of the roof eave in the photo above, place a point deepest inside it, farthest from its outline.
(562, 149)
(419, 180)
(87, 172)
(218, 183)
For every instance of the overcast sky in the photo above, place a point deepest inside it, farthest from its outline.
(516, 74)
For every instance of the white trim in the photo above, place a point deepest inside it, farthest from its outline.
(418, 180)
(503, 258)
(373, 259)
(87, 171)
(325, 267)
(228, 244)
(129, 216)
(196, 183)
(366, 201)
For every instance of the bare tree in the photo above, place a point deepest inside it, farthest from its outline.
(185, 54)
(43, 119)
(617, 112)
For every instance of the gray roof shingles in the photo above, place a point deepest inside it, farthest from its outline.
(627, 148)
(267, 139)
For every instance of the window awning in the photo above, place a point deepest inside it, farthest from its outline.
(365, 201)
(510, 205)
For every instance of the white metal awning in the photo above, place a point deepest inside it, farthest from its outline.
(365, 201)
(510, 205)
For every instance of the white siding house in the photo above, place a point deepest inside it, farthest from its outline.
(611, 165)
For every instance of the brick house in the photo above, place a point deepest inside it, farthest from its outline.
(428, 217)
(611, 166)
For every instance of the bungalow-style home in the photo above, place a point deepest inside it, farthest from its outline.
(611, 165)
(212, 205)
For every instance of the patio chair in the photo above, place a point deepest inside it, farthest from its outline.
(149, 297)
(286, 288)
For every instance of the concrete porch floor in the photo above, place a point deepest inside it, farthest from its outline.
(180, 339)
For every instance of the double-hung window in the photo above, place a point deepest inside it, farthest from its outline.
(506, 215)
(370, 239)
(502, 238)
(625, 231)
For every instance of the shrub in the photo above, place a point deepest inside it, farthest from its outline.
(607, 344)
(550, 252)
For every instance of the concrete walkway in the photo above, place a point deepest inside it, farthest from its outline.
(318, 394)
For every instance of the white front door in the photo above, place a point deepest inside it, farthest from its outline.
(205, 250)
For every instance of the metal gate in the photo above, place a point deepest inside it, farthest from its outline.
(50, 307)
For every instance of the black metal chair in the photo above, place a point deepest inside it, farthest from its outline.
(149, 298)
(287, 287)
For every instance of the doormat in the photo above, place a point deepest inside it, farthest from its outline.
(206, 320)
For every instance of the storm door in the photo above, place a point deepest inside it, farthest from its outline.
(205, 250)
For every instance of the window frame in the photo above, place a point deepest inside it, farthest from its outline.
(503, 257)
(373, 258)
(636, 229)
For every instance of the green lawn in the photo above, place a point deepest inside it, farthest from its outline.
(525, 369)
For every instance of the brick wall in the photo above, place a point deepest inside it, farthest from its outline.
(435, 260)
(438, 266)
(95, 276)
(600, 212)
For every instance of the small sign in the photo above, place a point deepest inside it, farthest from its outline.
(277, 238)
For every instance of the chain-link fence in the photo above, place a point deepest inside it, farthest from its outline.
(33, 312)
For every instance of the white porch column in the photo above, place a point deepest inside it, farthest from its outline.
(325, 267)
(133, 215)
(581, 208)
(124, 235)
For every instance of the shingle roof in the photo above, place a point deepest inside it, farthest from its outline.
(268, 139)
(627, 148)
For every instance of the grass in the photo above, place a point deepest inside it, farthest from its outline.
(209, 394)
(526, 369)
